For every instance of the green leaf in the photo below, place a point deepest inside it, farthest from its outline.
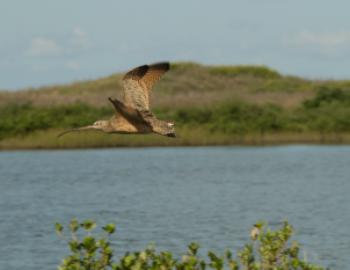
(88, 225)
(102, 243)
(58, 229)
(143, 255)
(233, 265)
(109, 228)
(74, 225)
(74, 246)
(202, 265)
(115, 266)
(213, 256)
(128, 260)
(228, 254)
(193, 248)
(89, 243)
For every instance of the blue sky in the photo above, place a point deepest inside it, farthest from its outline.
(48, 42)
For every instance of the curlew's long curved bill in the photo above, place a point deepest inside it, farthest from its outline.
(75, 129)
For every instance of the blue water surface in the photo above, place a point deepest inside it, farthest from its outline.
(172, 196)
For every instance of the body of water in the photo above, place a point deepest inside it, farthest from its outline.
(172, 196)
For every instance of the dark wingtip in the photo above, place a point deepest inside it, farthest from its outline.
(162, 65)
(171, 135)
(136, 73)
(140, 71)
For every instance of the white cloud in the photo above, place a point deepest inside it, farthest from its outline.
(75, 42)
(80, 38)
(329, 39)
(72, 65)
(320, 44)
(41, 46)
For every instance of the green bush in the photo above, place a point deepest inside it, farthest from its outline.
(234, 118)
(23, 119)
(254, 71)
(327, 112)
(326, 95)
(268, 250)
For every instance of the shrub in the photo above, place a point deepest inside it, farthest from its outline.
(268, 250)
(255, 71)
(326, 95)
(23, 119)
(328, 111)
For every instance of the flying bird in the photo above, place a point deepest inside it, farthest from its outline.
(133, 114)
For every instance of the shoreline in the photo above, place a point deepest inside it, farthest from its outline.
(47, 140)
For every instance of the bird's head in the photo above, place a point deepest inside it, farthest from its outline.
(100, 124)
(170, 130)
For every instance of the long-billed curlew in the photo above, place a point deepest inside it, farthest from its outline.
(133, 114)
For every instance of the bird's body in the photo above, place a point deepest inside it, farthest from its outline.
(133, 115)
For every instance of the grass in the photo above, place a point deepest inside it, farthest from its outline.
(253, 71)
(185, 84)
(187, 137)
(210, 105)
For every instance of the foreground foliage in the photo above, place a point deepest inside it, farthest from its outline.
(269, 250)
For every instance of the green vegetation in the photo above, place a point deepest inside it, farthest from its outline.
(210, 105)
(328, 111)
(254, 71)
(267, 250)
(24, 119)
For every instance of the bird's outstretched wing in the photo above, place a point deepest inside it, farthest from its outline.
(138, 82)
(128, 113)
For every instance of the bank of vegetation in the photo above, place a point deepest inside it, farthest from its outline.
(267, 250)
(215, 105)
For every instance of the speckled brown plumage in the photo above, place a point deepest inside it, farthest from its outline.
(133, 115)
(138, 83)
